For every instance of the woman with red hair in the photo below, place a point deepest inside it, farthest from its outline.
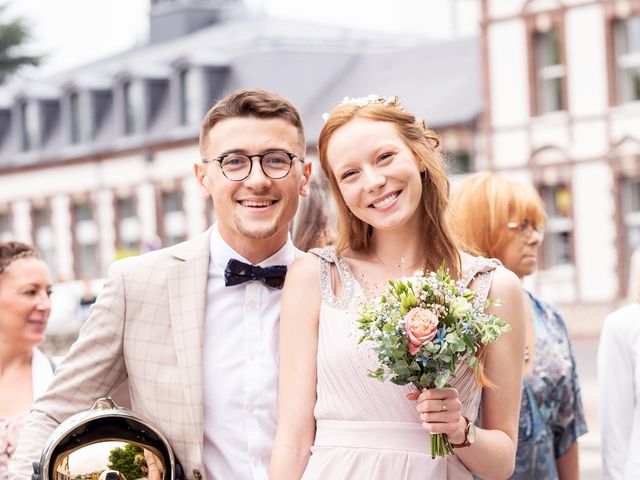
(500, 218)
(336, 422)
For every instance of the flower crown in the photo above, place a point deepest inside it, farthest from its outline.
(372, 99)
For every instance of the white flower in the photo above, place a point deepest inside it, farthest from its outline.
(459, 307)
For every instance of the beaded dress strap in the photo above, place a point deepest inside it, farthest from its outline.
(483, 269)
(328, 257)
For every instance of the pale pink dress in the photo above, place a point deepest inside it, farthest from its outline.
(366, 429)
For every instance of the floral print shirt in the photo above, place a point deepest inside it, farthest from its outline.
(551, 413)
(10, 429)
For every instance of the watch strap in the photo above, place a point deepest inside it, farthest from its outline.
(466, 442)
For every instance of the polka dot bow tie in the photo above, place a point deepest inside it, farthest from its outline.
(238, 272)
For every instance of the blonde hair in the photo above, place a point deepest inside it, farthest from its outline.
(424, 144)
(484, 204)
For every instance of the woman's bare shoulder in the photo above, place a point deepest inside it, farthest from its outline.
(305, 265)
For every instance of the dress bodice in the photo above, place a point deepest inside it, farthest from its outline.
(344, 389)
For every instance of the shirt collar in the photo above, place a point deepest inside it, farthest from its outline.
(221, 252)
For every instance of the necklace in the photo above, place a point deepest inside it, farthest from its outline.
(399, 266)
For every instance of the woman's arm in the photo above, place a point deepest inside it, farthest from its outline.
(567, 464)
(297, 381)
(492, 456)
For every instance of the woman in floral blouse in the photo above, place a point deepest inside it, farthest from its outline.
(500, 218)
(25, 286)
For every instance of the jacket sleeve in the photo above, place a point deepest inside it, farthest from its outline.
(93, 368)
(615, 373)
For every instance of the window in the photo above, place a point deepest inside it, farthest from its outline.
(74, 118)
(557, 245)
(30, 125)
(128, 225)
(85, 233)
(43, 235)
(459, 162)
(627, 53)
(550, 71)
(174, 219)
(190, 99)
(133, 107)
(630, 191)
(5, 124)
(6, 230)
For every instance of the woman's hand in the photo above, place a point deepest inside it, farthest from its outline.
(439, 410)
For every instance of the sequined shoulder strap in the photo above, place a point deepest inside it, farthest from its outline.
(482, 270)
(328, 257)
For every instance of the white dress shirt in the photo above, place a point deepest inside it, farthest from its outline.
(619, 385)
(240, 364)
(41, 373)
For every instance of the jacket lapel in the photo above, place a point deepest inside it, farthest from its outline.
(187, 303)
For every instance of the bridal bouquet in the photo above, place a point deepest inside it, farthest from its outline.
(421, 328)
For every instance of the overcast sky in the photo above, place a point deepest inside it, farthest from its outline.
(74, 32)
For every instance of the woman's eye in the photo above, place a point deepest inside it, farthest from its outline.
(385, 156)
(347, 174)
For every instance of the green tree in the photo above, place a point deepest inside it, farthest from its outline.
(13, 35)
(122, 459)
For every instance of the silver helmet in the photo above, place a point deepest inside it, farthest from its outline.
(111, 442)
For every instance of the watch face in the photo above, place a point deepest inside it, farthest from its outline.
(471, 433)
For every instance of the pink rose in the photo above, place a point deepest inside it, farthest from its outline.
(421, 326)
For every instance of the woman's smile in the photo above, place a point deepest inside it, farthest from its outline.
(385, 200)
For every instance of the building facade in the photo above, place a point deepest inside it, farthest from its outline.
(97, 162)
(562, 111)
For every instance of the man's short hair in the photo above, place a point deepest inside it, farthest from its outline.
(251, 103)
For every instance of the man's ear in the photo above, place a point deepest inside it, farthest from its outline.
(306, 178)
(200, 171)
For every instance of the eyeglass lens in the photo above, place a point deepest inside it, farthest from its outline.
(274, 165)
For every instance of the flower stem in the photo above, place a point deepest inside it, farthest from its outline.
(440, 446)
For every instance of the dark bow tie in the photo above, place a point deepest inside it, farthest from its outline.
(239, 272)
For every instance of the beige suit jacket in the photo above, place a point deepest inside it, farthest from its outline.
(147, 325)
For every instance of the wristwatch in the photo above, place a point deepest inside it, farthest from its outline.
(469, 435)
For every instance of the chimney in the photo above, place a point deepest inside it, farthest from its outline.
(171, 19)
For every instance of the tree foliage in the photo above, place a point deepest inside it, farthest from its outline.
(14, 34)
(122, 459)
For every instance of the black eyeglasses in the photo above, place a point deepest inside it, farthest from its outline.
(275, 164)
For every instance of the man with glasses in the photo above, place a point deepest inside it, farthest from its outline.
(194, 327)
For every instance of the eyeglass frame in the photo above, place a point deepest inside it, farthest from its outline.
(292, 156)
(525, 229)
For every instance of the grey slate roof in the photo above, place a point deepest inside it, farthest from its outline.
(314, 66)
(439, 82)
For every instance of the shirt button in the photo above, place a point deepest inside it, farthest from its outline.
(250, 409)
(251, 304)
(255, 461)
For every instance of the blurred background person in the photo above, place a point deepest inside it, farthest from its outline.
(619, 385)
(503, 219)
(313, 225)
(25, 372)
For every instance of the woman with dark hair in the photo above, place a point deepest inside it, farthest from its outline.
(312, 226)
(25, 287)
(334, 421)
(504, 219)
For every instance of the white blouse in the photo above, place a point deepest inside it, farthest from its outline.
(619, 386)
